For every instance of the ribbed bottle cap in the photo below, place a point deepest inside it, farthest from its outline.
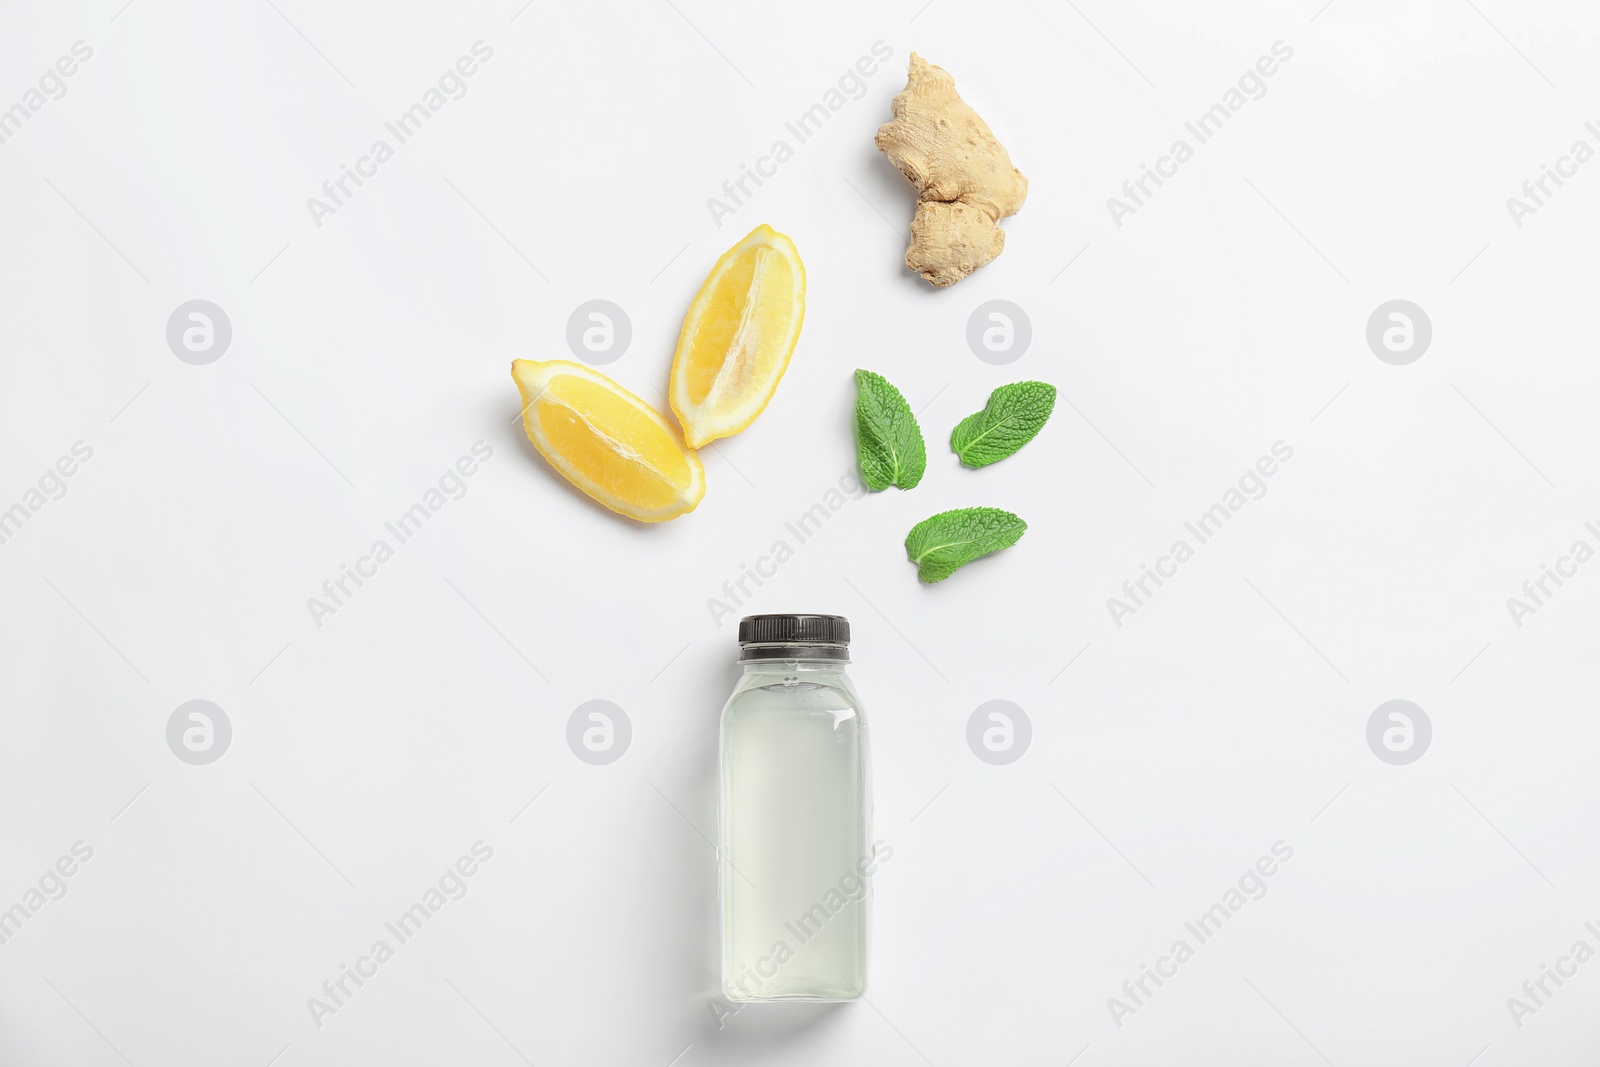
(794, 630)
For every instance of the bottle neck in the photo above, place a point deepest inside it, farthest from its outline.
(763, 657)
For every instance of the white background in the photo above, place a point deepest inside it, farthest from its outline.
(371, 352)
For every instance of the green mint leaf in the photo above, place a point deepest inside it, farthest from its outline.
(1011, 418)
(888, 439)
(952, 539)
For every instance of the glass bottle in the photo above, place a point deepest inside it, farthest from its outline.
(795, 816)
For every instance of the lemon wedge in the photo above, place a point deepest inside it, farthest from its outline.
(607, 441)
(738, 336)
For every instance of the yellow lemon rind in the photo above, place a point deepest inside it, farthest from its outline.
(533, 377)
(695, 430)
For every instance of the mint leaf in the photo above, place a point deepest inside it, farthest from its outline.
(951, 539)
(1011, 418)
(888, 439)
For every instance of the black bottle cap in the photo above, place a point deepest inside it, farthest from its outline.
(828, 631)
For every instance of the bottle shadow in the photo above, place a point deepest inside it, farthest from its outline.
(753, 1029)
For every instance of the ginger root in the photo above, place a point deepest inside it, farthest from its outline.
(964, 178)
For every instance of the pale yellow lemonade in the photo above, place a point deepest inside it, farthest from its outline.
(795, 810)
